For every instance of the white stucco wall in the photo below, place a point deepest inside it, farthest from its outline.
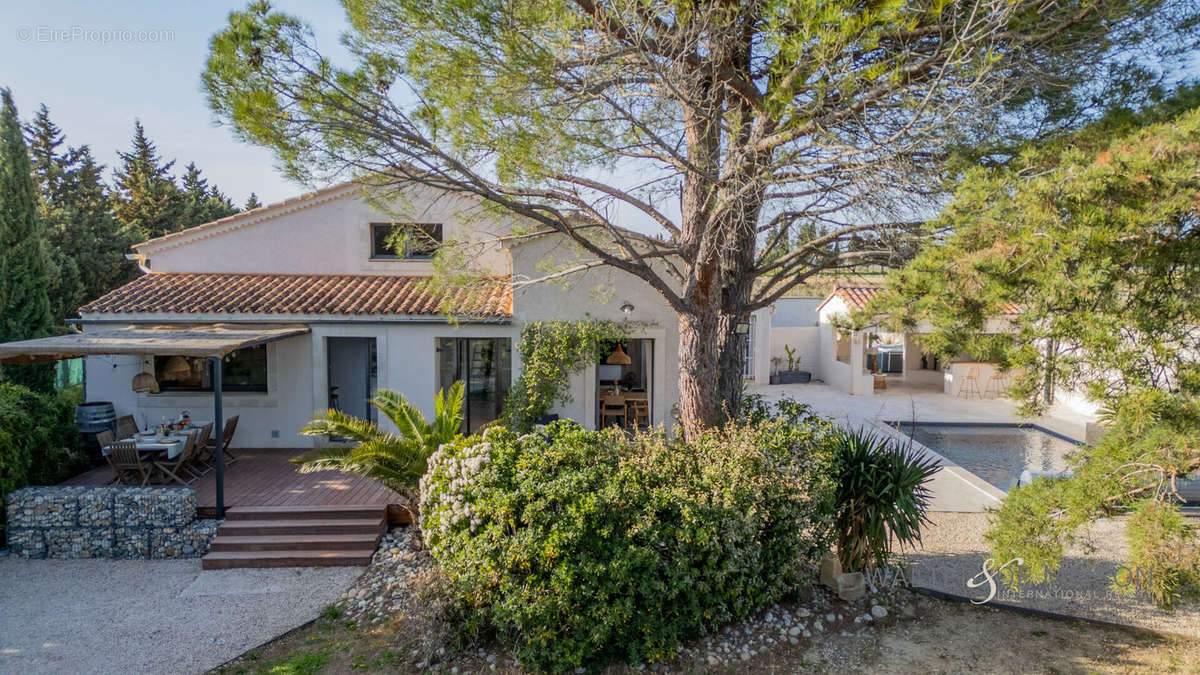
(805, 340)
(793, 312)
(848, 377)
(329, 234)
(599, 294)
(297, 380)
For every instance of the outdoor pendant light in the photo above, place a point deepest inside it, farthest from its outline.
(618, 357)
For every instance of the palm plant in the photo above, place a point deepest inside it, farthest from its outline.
(395, 459)
(881, 497)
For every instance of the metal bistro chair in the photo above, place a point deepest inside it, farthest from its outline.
(997, 384)
(612, 407)
(173, 468)
(127, 461)
(970, 386)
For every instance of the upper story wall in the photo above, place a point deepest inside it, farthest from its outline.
(328, 232)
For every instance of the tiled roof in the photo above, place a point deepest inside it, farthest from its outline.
(199, 293)
(857, 297)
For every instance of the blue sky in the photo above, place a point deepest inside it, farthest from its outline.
(96, 83)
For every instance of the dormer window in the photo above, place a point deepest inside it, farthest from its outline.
(405, 241)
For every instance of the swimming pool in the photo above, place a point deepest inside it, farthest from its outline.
(997, 453)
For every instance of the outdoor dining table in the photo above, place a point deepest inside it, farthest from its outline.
(148, 441)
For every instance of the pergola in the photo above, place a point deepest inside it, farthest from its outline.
(213, 341)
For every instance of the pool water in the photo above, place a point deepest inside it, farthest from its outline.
(997, 453)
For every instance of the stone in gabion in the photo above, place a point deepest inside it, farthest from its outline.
(155, 507)
(26, 542)
(191, 541)
(44, 506)
(80, 542)
(131, 542)
(96, 507)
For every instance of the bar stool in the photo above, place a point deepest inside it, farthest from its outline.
(996, 385)
(970, 385)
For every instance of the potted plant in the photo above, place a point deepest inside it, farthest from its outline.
(792, 375)
(775, 361)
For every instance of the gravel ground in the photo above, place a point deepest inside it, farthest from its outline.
(953, 550)
(149, 616)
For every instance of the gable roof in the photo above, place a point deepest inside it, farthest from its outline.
(336, 294)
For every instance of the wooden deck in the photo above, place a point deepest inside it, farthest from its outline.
(265, 477)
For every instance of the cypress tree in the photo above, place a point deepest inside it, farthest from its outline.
(23, 259)
(252, 202)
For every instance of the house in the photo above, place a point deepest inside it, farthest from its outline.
(323, 266)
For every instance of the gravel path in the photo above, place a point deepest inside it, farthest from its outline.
(953, 551)
(149, 616)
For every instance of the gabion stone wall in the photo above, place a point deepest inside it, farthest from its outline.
(107, 522)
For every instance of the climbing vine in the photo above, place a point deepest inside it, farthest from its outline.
(551, 352)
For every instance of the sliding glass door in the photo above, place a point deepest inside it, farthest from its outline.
(485, 366)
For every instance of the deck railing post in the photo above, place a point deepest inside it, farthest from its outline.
(219, 434)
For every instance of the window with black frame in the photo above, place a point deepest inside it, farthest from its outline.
(244, 370)
(405, 241)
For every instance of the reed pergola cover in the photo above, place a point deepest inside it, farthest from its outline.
(206, 340)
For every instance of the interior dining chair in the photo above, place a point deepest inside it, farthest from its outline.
(640, 412)
(612, 408)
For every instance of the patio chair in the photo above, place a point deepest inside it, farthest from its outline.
(970, 385)
(203, 454)
(175, 469)
(126, 427)
(105, 439)
(226, 438)
(612, 407)
(127, 461)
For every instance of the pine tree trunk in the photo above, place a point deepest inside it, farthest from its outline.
(699, 382)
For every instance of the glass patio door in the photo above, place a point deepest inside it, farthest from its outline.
(485, 367)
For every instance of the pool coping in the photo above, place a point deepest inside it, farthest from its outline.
(955, 469)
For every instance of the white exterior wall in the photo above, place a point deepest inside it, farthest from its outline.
(805, 340)
(599, 294)
(297, 380)
(852, 377)
(329, 234)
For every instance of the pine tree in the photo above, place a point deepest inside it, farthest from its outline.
(148, 201)
(23, 260)
(252, 202)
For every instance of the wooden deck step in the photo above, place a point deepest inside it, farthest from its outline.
(251, 528)
(295, 542)
(336, 512)
(220, 560)
(297, 536)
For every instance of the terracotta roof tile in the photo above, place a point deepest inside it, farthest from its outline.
(201, 293)
(857, 297)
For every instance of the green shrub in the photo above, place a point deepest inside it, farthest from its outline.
(578, 546)
(39, 443)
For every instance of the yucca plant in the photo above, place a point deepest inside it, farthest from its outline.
(881, 497)
(395, 459)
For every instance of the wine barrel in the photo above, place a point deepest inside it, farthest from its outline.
(95, 416)
(91, 418)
